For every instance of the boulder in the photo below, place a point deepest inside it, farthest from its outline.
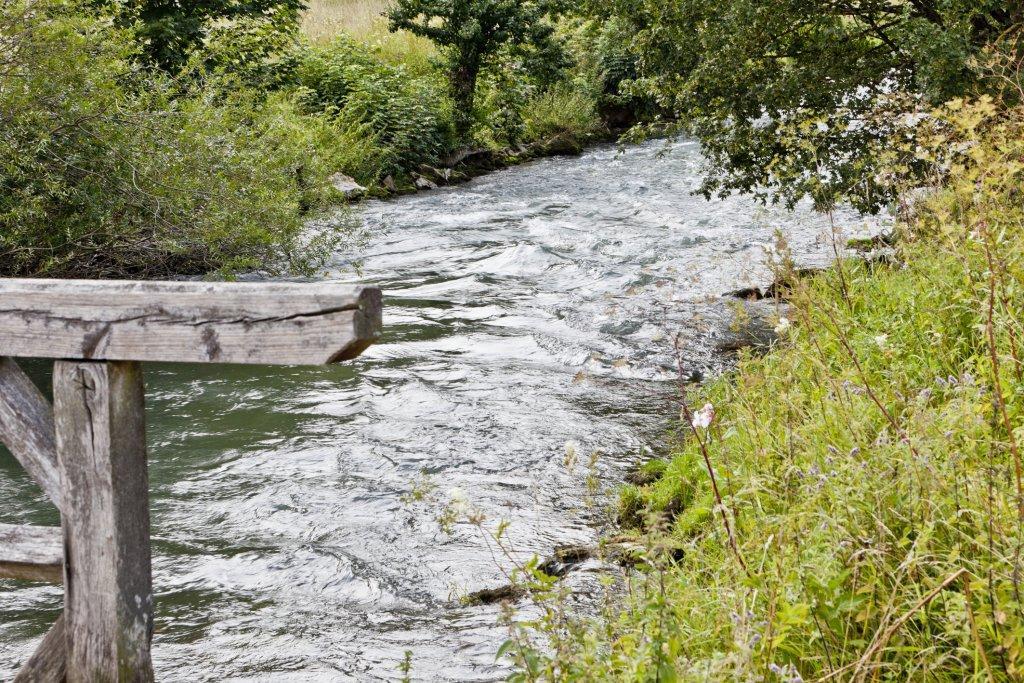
(425, 183)
(347, 186)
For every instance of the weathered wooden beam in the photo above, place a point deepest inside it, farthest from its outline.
(49, 662)
(267, 323)
(26, 428)
(31, 553)
(101, 448)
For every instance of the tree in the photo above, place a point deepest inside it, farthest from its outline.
(170, 30)
(471, 32)
(803, 98)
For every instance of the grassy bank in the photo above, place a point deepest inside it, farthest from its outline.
(863, 517)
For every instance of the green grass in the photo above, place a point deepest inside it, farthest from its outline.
(868, 469)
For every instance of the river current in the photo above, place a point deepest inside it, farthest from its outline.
(527, 313)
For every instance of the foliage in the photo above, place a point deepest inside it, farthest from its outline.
(170, 31)
(610, 67)
(408, 116)
(562, 111)
(256, 51)
(870, 510)
(470, 33)
(109, 171)
(797, 99)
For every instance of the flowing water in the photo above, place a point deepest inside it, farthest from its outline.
(295, 510)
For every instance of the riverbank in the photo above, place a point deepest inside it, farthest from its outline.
(220, 163)
(849, 504)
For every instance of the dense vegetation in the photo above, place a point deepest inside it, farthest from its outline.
(155, 139)
(471, 33)
(849, 506)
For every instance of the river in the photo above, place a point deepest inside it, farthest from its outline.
(295, 510)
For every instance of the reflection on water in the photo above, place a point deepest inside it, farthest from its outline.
(524, 310)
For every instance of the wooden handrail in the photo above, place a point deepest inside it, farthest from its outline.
(191, 322)
(32, 553)
(88, 451)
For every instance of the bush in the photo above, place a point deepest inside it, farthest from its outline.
(109, 171)
(562, 111)
(409, 116)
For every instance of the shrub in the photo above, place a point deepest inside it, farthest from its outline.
(111, 172)
(562, 111)
(408, 116)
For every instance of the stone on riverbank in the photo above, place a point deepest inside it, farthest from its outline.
(347, 186)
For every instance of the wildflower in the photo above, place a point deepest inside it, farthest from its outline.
(458, 501)
(703, 418)
(783, 327)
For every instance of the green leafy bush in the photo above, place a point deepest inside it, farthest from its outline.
(110, 171)
(169, 33)
(562, 111)
(409, 116)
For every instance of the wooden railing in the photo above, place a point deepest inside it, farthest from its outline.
(88, 451)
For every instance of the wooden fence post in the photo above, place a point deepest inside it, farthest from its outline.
(101, 451)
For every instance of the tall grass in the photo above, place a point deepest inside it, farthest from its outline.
(364, 21)
(325, 19)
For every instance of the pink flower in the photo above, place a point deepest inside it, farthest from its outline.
(703, 418)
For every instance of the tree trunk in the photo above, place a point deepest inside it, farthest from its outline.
(463, 84)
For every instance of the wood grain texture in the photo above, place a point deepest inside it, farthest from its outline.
(266, 323)
(26, 428)
(31, 553)
(49, 663)
(101, 448)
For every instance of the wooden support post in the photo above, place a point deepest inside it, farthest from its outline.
(101, 451)
(48, 664)
(26, 427)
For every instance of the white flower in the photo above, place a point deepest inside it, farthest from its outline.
(703, 418)
(882, 340)
(783, 327)
(458, 501)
